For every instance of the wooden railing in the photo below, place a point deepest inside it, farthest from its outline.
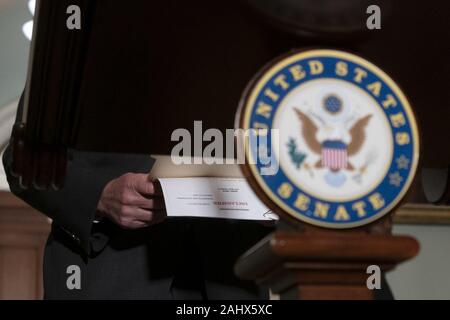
(23, 233)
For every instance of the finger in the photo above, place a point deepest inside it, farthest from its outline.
(158, 217)
(129, 222)
(152, 204)
(143, 185)
(136, 224)
(148, 188)
(138, 200)
(158, 188)
(142, 215)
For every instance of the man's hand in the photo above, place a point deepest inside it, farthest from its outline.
(132, 202)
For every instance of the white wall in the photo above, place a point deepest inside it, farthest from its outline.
(14, 48)
(428, 275)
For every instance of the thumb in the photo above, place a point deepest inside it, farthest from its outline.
(143, 185)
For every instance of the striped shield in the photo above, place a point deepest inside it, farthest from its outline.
(334, 154)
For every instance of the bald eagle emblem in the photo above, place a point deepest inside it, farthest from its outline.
(342, 140)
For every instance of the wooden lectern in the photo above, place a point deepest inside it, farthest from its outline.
(309, 263)
(313, 118)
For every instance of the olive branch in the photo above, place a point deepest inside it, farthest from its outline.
(297, 157)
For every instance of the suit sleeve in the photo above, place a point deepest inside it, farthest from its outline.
(73, 207)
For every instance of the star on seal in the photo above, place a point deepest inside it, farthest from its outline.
(402, 162)
(395, 179)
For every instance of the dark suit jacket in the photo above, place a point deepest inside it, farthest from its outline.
(179, 258)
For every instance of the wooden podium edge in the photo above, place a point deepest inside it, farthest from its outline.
(322, 266)
(282, 247)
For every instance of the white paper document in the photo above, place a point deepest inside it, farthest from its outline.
(227, 198)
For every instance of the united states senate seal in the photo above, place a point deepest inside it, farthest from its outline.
(346, 146)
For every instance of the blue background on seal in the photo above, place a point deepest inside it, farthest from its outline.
(388, 191)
